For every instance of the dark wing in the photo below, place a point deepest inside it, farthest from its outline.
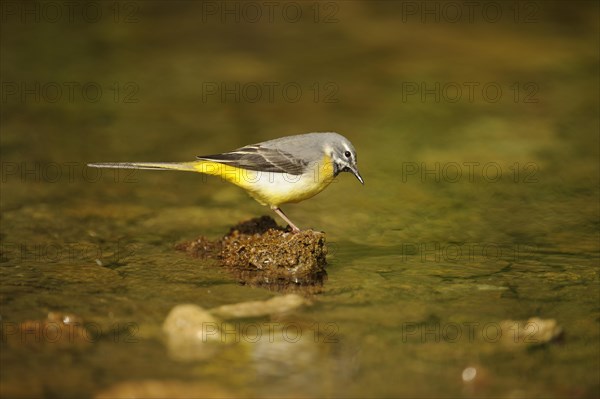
(255, 157)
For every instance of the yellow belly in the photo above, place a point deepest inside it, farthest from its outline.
(270, 188)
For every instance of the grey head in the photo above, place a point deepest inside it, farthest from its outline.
(342, 153)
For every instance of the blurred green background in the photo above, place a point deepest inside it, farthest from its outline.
(477, 131)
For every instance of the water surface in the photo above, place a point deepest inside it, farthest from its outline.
(476, 209)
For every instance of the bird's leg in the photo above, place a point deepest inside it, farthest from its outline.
(278, 211)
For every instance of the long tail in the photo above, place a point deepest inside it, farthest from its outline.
(188, 166)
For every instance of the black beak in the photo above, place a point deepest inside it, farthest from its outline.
(351, 169)
(354, 171)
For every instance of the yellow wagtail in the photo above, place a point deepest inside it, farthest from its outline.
(274, 172)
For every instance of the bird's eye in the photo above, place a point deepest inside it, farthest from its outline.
(347, 154)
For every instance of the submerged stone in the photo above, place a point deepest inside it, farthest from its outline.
(278, 304)
(195, 333)
(192, 333)
(57, 330)
(531, 332)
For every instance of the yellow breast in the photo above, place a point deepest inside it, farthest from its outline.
(274, 189)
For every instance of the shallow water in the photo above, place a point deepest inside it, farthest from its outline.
(475, 209)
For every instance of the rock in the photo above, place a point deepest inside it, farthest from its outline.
(192, 333)
(531, 332)
(277, 304)
(287, 255)
(261, 253)
(201, 247)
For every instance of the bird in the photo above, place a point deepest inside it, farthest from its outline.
(285, 170)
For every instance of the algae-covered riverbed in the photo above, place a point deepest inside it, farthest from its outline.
(466, 266)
